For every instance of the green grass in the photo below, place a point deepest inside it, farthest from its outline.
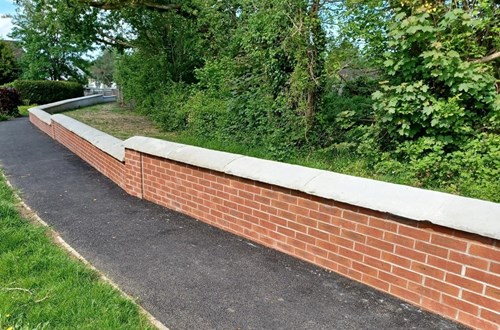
(41, 287)
(123, 123)
(23, 109)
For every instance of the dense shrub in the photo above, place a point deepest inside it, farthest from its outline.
(47, 91)
(9, 101)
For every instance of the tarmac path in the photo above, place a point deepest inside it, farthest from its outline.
(186, 273)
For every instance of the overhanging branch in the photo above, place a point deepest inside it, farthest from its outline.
(488, 58)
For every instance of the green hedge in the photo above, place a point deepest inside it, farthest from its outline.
(47, 91)
(9, 101)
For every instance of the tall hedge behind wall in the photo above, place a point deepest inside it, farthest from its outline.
(47, 91)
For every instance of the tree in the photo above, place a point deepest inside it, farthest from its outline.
(9, 68)
(51, 50)
(103, 68)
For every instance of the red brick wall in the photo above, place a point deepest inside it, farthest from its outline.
(453, 273)
(446, 271)
(47, 129)
(101, 161)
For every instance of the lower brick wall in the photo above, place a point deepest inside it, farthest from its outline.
(101, 161)
(43, 126)
(448, 272)
(453, 273)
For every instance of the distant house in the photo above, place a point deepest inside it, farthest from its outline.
(16, 47)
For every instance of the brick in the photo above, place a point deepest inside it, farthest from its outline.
(424, 291)
(262, 200)
(365, 269)
(369, 231)
(383, 224)
(277, 237)
(486, 252)
(267, 224)
(410, 254)
(348, 253)
(249, 203)
(305, 238)
(305, 255)
(296, 243)
(393, 280)
(353, 236)
(439, 308)
(481, 300)
(481, 276)
(260, 215)
(330, 210)
(353, 216)
(375, 282)
(444, 264)
(299, 210)
(377, 263)
(379, 244)
(342, 241)
(307, 221)
(287, 215)
(297, 227)
(339, 259)
(323, 217)
(280, 205)
(398, 239)
(469, 260)
(495, 268)
(367, 250)
(285, 231)
(431, 249)
(284, 247)
(491, 315)
(318, 234)
(442, 286)
(317, 251)
(349, 272)
(427, 270)
(460, 304)
(277, 221)
(415, 233)
(396, 260)
(288, 199)
(405, 294)
(246, 194)
(269, 210)
(339, 222)
(309, 204)
(476, 322)
(328, 264)
(327, 246)
(493, 292)
(449, 242)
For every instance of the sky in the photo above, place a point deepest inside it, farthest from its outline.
(7, 7)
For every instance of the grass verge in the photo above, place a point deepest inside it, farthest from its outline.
(42, 287)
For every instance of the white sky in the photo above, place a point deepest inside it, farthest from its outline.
(5, 27)
(6, 7)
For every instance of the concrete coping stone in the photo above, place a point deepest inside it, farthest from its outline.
(40, 114)
(75, 100)
(457, 212)
(105, 142)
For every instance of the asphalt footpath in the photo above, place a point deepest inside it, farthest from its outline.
(186, 273)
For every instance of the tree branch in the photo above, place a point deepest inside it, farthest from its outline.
(113, 41)
(488, 58)
(112, 5)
